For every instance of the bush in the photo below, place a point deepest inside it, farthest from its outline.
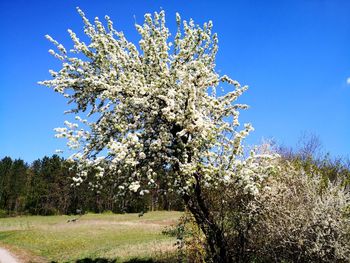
(293, 216)
(3, 213)
(190, 239)
(303, 220)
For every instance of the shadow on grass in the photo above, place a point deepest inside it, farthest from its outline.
(133, 260)
(96, 260)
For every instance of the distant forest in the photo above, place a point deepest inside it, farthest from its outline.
(44, 187)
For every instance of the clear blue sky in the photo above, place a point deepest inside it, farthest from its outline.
(294, 55)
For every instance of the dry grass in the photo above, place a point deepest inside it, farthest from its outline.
(106, 235)
(22, 255)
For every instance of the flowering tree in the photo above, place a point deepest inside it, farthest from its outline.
(151, 111)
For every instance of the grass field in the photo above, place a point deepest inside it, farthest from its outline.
(109, 236)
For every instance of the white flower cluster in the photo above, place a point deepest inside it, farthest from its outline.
(154, 111)
(252, 173)
(134, 186)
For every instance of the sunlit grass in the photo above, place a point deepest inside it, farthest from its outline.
(93, 235)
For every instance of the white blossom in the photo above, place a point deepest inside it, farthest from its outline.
(152, 109)
(134, 186)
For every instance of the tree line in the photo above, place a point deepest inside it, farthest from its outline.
(45, 187)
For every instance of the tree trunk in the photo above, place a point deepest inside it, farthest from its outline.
(217, 247)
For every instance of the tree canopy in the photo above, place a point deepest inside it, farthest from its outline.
(154, 107)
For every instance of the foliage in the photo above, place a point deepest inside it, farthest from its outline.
(304, 220)
(309, 157)
(3, 213)
(45, 188)
(13, 174)
(295, 217)
(190, 239)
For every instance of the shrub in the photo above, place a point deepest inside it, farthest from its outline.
(291, 217)
(3, 213)
(190, 239)
(303, 220)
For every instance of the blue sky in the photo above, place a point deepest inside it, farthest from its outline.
(294, 55)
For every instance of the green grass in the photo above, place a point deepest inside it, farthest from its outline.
(93, 235)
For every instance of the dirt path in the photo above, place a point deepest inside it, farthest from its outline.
(6, 257)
